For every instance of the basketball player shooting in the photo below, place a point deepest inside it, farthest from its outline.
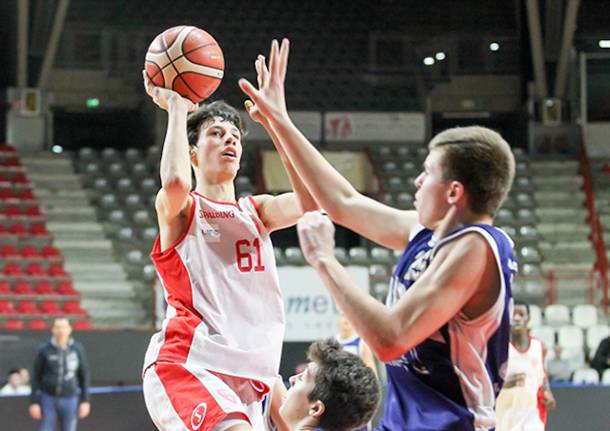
(219, 349)
(444, 331)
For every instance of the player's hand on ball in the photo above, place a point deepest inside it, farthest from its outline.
(164, 97)
(269, 98)
(316, 236)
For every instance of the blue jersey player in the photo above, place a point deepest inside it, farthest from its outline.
(444, 331)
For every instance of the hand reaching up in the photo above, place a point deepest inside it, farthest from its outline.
(269, 99)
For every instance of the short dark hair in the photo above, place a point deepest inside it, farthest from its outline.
(347, 387)
(207, 112)
(13, 371)
(521, 302)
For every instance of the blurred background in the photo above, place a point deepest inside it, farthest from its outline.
(369, 82)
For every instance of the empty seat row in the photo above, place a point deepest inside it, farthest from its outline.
(38, 324)
(46, 306)
(42, 288)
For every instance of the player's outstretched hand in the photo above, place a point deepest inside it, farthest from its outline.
(316, 236)
(164, 97)
(269, 99)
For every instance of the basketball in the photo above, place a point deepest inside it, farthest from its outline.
(187, 60)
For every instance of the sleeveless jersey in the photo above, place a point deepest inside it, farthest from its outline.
(351, 344)
(225, 311)
(518, 408)
(450, 380)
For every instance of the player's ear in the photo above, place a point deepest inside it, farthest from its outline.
(456, 192)
(193, 155)
(316, 409)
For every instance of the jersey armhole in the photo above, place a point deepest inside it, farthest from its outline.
(156, 251)
(491, 243)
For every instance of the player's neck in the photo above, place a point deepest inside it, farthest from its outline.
(221, 191)
(346, 335)
(307, 424)
(521, 339)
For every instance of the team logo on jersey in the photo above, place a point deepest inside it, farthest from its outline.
(198, 415)
(216, 214)
(211, 233)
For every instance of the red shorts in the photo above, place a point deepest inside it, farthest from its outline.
(179, 399)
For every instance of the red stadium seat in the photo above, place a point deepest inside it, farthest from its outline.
(18, 229)
(12, 269)
(33, 211)
(57, 270)
(23, 288)
(35, 269)
(8, 252)
(6, 194)
(12, 211)
(39, 229)
(50, 251)
(25, 194)
(38, 325)
(19, 179)
(45, 288)
(29, 251)
(82, 325)
(6, 307)
(66, 288)
(50, 307)
(27, 307)
(14, 324)
(11, 161)
(5, 288)
(7, 147)
(73, 307)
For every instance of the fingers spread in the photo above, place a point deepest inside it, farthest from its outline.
(283, 63)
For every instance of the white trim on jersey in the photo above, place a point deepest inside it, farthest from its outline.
(469, 338)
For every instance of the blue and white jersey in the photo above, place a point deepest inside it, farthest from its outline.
(450, 381)
(351, 344)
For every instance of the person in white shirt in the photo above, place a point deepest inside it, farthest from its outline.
(14, 384)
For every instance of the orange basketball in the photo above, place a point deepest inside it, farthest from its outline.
(187, 60)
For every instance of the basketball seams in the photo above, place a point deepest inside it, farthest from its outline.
(176, 56)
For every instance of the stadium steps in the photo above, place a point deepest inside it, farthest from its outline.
(106, 292)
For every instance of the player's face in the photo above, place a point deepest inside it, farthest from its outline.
(61, 329)
(219, 149)
(431, 200)
(296, 404)
(520, 318)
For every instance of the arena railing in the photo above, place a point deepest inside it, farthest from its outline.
(597, 233)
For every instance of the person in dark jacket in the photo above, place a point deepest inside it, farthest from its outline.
(60, 381)
(601, 360)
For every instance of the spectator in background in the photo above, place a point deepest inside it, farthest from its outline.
(558, 368)
(14, 385)
(25, 379)
(60, 383)
(601, 360)
(352, 342)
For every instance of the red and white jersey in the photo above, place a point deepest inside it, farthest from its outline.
(519, 407)
(225, 312)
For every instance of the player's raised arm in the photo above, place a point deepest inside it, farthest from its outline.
(175, 169)
(284, 210)
(448, 286)
(345, 205)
